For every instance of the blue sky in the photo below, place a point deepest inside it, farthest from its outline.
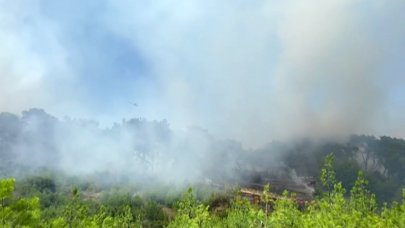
(250, 70)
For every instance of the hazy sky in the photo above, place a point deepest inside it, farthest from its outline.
(250, 70)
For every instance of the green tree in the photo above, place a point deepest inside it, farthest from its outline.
(328, 176)
(17, 213)
(286, 213)
(191, 213)
(360, 198)
(243, 214)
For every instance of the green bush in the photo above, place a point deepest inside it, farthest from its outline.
(333, 208)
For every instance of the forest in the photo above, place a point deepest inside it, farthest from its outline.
(202, 113)
(141, 173)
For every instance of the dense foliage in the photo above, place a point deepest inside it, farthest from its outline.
(52, 208)
(382, 160)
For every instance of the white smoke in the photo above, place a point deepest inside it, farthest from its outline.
(255, 71)
(264, 70)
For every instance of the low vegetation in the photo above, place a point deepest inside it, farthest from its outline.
(39, 203)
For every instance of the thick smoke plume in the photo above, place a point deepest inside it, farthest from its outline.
(263, 70)
(250, 71)
(136, 149)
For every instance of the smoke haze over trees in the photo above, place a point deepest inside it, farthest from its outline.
(128, 99)
(141, 151)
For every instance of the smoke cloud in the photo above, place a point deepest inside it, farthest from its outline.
(137, 150)
(252, 71)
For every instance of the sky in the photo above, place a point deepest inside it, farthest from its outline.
(253, 71)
